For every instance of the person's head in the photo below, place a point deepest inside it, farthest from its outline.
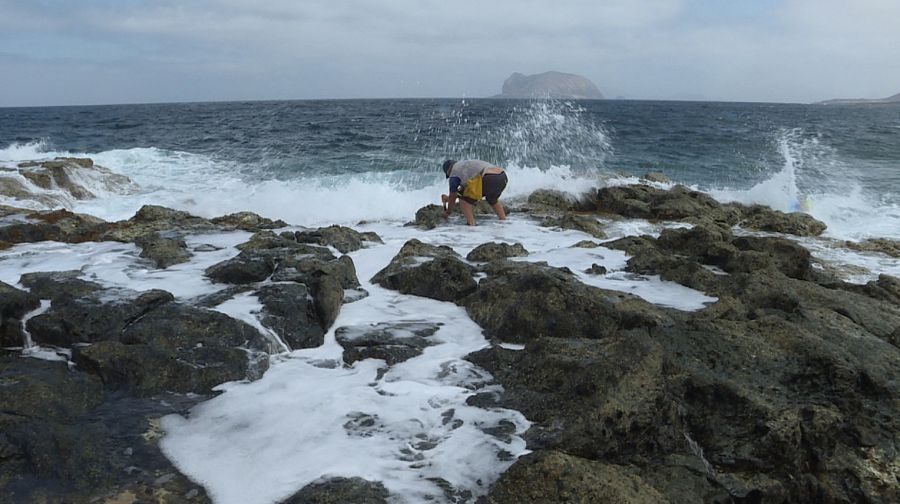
(447, 166)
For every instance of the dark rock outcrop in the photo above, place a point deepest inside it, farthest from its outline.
(550, 199)
(429, 271)
(342, 238)
(493, 251)
(784, 390)
(14, 304)
(145, 342)
(521, 302)
(247, 221)
(429, 217)
(391, 342)
(289, 310)
(64, 439)
(584, 223)
(164, 250)
(552, 476)
(340, 491)
(680, 203)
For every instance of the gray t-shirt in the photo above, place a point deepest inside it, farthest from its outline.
(468, 169)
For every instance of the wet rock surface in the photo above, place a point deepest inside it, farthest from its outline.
(493, 251)
(428, 271)
(340, 491)
(14, 304)
(786, 389)
(342, 238)
(65, 438)
(391, 342)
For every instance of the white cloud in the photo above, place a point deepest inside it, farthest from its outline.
(802, 50)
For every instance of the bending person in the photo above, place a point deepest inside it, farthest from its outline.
(470, 180)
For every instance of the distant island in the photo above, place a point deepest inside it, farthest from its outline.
(860, 101)
(549, 85)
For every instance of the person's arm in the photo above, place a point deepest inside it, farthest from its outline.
(452, 195)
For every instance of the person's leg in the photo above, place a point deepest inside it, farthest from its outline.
(468, 210)
(494, 184)
(498, 209)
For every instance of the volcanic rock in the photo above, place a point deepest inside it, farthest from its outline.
(763, 218)
(493, 251)
(429, 217)
(392, 342)
(551, 199)
(342, 238)
(552, 476)
(290, 311)
(584, 223)
(164, 251)
(247, 221)
(14, 304)
(339, 491)
(520, 302)
(429, 271)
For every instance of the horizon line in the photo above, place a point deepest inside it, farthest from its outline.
(498, 98)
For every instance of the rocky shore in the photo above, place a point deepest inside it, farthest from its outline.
(785, 389)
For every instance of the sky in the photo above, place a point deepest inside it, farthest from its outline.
(68, 52)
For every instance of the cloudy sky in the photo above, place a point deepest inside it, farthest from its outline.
(57, 52)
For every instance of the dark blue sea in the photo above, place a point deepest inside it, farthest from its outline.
(340, 161)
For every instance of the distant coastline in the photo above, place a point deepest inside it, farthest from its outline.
(861, 101)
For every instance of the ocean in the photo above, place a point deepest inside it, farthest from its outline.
(370, 164)
(313, 162)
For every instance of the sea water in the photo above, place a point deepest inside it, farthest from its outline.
(371, 165)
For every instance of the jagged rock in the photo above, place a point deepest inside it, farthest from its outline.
(551, 476)
(340, 491)
(586, 244)
(175, 325)
(678, 203)
(429, 271)
(429, 217)
(151, 219)
(493, 251)
(145, 342)
(58, 175)
(309, 269)
(520, 302)
(243, 269)
(392, 342)
(596, 269)
(247, 221)
(886, 288)
(882, 245)
(63, 440)
(148, 369)
(599, 399)
(759, 252)
(289, 310)
(91, 318)
(656, 177)
(164, 251)
(58, 225)
(763, 218)
(342, 238)
(58, 284)
(551, 199)
(14, 304)
(584, 223)
(7, 211)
